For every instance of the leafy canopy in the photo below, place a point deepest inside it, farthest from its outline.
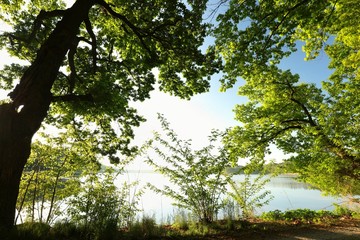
(111, 61)
(319, 126)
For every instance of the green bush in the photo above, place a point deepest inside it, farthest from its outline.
(197, 176)
(102, 208)
(144, 229)
(275, 215)
(66, 230)
(181, 220)
(303, 215)
(231, 210)
(300, 215)
(200, 228)
(356, 215)
(249, 194)
(32, 231)
(342, 211)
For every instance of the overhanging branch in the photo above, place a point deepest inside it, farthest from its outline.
(37, 24)
(264, 138)
(306, 111)
(42, 16)
(295, 121)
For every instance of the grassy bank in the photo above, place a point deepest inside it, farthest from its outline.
(146, 228)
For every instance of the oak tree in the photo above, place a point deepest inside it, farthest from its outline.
(86, 63)
(318, 126)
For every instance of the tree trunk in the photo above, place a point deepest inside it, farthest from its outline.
(31, 98)
(14, 150)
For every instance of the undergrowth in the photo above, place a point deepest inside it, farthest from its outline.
(309, 216)
(183, 226)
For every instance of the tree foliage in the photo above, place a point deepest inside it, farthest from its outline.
(319, 126)
(198, 175)
(63, 183)
(50, 177)
(111, 60)
(53, 174)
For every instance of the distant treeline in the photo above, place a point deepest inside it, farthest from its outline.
(269, 168)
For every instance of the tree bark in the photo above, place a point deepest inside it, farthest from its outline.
(14, 151)
(31, 98)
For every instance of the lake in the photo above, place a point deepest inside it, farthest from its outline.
(287, 192)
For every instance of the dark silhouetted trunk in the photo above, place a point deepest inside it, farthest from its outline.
(21, 118)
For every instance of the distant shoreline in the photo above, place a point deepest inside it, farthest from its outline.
(292, 175)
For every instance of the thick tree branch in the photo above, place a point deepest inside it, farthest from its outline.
(93, 41)
(304, 108)
(335, 148)
(277, 133)
(267, 136)
(111, 50)
(84, 40)
(306, 111)
(73, 75)
(339, 150)
(42, 16)
(296, 121)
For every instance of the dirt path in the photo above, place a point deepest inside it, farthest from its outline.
(328, 233)
(343, 230)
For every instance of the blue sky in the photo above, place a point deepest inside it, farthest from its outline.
(314, 71)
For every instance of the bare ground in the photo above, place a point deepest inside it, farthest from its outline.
(346, 229)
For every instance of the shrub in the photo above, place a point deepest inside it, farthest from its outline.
(196, 174)
(299, 215)
(249, 194)
(275, 215)
(66, 230)
(32, 231)
(181, 220)
(230, 209)
(342, 211)
(144, 229)
(101, 208)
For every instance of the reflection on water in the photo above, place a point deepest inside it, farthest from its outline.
(281, 181)
(286, 181)
(288, 194)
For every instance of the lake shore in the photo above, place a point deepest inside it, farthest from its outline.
(322, 226)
